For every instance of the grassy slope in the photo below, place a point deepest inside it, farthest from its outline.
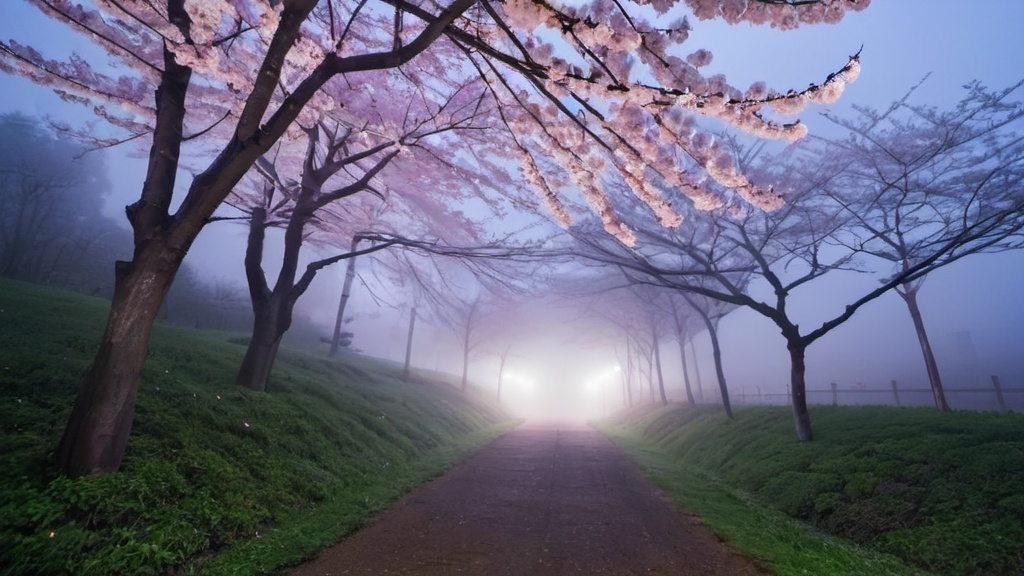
(217, 479)
(943, 492)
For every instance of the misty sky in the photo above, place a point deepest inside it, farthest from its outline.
(972, 309)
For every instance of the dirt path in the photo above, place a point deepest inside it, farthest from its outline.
(545, 500)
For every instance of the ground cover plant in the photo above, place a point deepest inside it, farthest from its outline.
(217, 479)
(943, 492)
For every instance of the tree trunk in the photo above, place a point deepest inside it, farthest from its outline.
(627, 380)
(346, 289)
(650, 375)
(657, 364)
(254, 373)
(909, 296)
(686, 371)
(716, 352)
(801, 417)
(97, 431)
(408, 346)
(272, 310)
(696, 372)
(465, 370)
(501, 376)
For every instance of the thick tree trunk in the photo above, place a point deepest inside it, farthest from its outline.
(97, 431)
(272, 310)
(254, 373)
(801, 417)
(909, 296)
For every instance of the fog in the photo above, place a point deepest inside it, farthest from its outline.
(564, 363)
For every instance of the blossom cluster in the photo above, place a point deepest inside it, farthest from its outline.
(597, 92)
(648, 128)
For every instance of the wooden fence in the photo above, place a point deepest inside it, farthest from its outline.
(992, 397)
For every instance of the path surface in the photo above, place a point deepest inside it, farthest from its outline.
(543, 500)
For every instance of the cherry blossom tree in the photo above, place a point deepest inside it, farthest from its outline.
(338, 163)
(731, 254)
(607, 95)
(922, 184)
(720, 252)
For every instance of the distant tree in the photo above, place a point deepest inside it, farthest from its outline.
(338, 339)
(652, 317)
(225, 296)
(711, 311)
(719, 253)
(925, 185)
(51, 200)
(471, 302)
(633, 315)
(727, 254)
(682, 323)
(198, 60)
(338, 163)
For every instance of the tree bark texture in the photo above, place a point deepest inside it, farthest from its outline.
(909, 296)
(97, 431)
(801, 417)
(254, 372)
(272, 309)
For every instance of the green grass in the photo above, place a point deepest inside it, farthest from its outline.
(216, 479)
(942, 493)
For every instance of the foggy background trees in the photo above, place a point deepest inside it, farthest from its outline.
(52, 229)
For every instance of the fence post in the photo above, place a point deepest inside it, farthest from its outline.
(895, 393)
(760, 398)
(999, 394)
(835, 395)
